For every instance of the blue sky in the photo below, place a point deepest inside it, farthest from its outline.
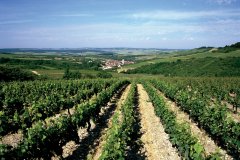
(118, 23)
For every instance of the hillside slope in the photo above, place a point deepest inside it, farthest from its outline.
(208, 66)
(202, 52)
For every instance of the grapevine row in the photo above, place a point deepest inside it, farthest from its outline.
(47, 137)
(15, 96)
(212, 118)
(220, 89)
(180, 134)
(50, 103)
(121, 129)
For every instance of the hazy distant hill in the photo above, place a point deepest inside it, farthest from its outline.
(86, 51)
(55, 51)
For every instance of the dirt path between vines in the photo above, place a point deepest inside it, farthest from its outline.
(234, 116)
(231, 114)
(12, 139)
(156, 141)
(208, 144)
(96, 153)
(35, 72)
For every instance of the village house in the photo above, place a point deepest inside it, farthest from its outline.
(109, 64)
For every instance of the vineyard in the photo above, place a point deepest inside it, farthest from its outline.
(164, 118)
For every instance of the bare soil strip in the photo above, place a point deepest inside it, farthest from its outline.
(204, 139)
(35, 72)
(156, 141)
(96, 152)
(231, 112)
(235, 116)
(12, 139)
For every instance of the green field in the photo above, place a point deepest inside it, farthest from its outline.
(184, 55)
(204, 61)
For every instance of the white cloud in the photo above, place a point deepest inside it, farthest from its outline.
(15, 22)
(164, 38)
(182, 15)
(171, 35)
(220, 2)
(188, 38)
(114, 31)
(73, 15)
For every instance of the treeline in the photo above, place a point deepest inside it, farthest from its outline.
(230, 48)
(15, 74)
(42, 64)
(78, 75)
(8, 74)
(219, 67)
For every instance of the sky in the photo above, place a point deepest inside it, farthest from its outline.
(173, 24)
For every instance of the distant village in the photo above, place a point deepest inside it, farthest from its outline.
(109, 64)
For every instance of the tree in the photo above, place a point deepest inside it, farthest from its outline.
(71, 75)
(15, 74)
(104, 75)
